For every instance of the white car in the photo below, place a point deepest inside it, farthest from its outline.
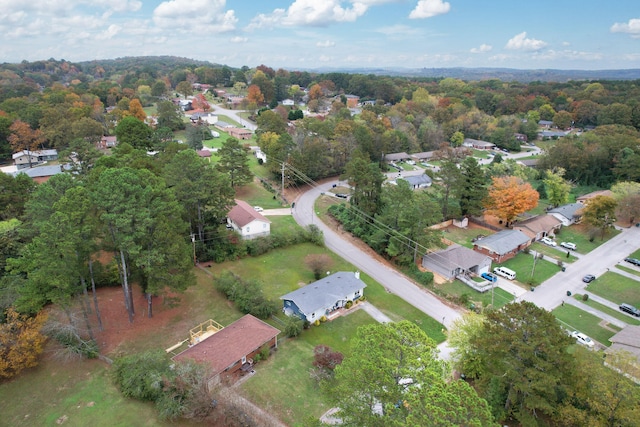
(583, 339)
(568, 245)
(548, 241)
(258, 209)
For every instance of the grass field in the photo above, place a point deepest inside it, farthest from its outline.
(616, 288)
(610, 311)
(628, 270)
(580, 234)
(457, 288)
(574, 319)
(523, 265)
(74, 394)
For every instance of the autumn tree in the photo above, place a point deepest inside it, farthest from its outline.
(136, 110)
(393, 377)
(509, 196)
(199, 102)
(254, 95)
(600, 213)
(22, 137)
(21, 342)
(556, 187)
(315, 92)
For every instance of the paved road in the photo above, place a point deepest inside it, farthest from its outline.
(552, 292)
(233, 114)
(388, 277)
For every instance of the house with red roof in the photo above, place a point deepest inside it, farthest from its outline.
(233, 348)
(248, 222)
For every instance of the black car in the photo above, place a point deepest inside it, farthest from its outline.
(634, 261)
(588, 278)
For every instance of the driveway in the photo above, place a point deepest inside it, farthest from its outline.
(233, 114)
(393, 281)
(553, 291)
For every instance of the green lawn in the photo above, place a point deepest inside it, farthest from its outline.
(610, 311)
(256, 194)
(580, 235)
(282, 384)
(81, 391)
(628, 270)
(458, 289)
(616, 288)
(574, 319)
(554, 253)
(523, 265)
(463, 236)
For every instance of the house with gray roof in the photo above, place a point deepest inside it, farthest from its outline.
(396, 157)
(502, 245)
(418, 181)
(456, 260)
(324, 296)
(568, 214)
(27, 158)
(627, 340)
(478, 144)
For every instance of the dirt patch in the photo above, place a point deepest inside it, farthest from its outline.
(117, 329)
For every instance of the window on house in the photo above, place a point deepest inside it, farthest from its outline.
(244, 359)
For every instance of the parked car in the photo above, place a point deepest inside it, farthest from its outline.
(548, 241)
(583, 339)
(258, 209)
(341, 195)
(628, 308)
(588, 278)
(489, 276)
(634, 261)
(568, 245)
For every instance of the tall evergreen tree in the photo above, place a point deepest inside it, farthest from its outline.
(234, 162)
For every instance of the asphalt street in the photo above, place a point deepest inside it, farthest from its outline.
(392, 280)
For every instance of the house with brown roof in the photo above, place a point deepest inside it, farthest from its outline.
(233, 348)
(503, 245)
(239, 133)
(586, 198)
(107, 141)
(539, 226)
(627, 340)
(246, 221)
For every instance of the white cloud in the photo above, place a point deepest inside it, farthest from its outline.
(238, 39)
(399, 30)
(483, 48)
(429, 8)
(326, 43)
(632, 27)
(315, 13)
(195, 15)
(521, 42)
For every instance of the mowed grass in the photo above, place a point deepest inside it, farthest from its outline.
(457, 288)
(574, 319)
(616, 288)
(610, 311)
(523, 265)
(282, 384)
(255, 194)
(581, 235)
(77, 394)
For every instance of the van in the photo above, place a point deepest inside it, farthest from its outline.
(505, 272)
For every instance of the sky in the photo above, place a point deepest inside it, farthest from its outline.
(320, 34)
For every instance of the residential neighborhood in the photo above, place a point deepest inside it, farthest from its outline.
(247, 245)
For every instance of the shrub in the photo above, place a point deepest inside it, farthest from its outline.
(293, 326)
(140, 376)
(323, 319)
(585, 297)
(348, 304)
(317, 322)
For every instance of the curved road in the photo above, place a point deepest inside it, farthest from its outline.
(233, 114)
(392, 280)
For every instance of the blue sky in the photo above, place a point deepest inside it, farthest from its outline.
(295, 34)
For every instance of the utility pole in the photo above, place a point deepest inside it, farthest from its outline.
(193, 241)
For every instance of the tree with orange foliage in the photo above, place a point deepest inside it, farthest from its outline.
(315, 92)
(22, 137)
(21, 342)
(136, 110)
(255, 95)
(199, 102)
(509, 196)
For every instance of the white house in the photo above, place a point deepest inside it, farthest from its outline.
(288, 102)
(26, 158)
(568, 214)
(324, 296)
(247, 221)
